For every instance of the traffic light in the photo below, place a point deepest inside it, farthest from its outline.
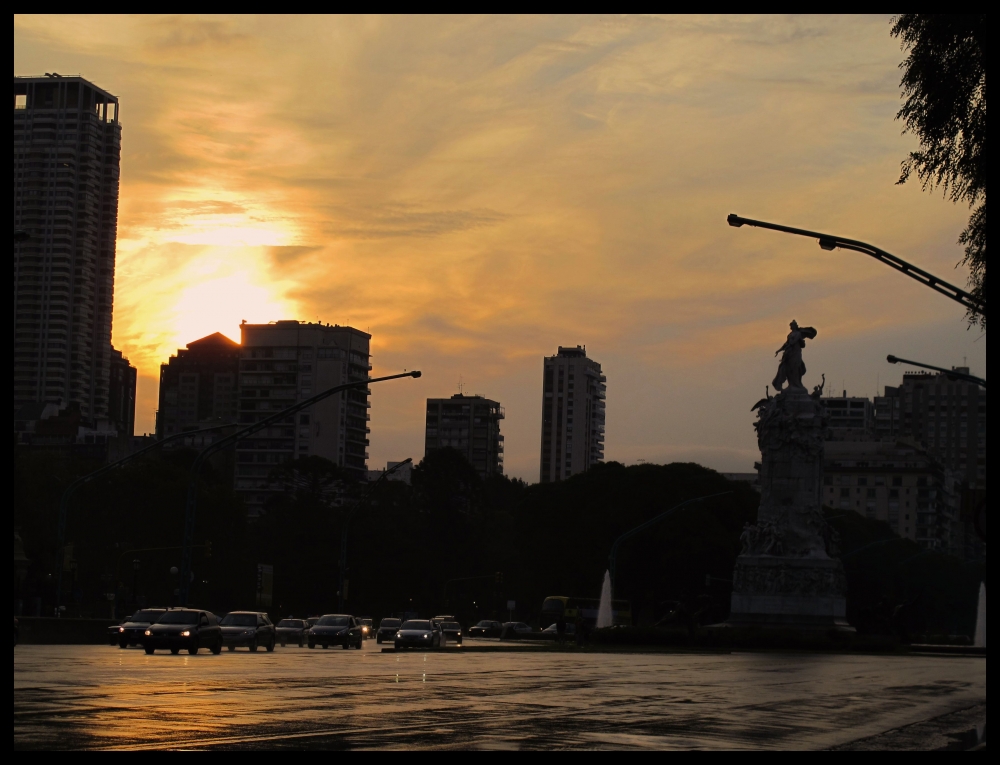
(208, 549)
(498, 577)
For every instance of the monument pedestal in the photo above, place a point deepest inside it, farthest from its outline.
(778, 591)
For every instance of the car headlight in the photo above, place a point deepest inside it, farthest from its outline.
(426, 635)
(121, 629)
(186, 633)
(148, 633)
(247, 632)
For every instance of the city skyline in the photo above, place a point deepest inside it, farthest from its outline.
(543, 182)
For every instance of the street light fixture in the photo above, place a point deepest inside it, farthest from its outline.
(71, 489)
(830, 242)
(191, 507)
(950, 373)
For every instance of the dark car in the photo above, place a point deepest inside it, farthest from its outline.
(184, 628)
(248, 628)
(420, 633)
(387, 629)
(292, 631)
(336, 629)
(130, 631)
(514, 630)
(452, 631)
(486, 628)
(367, 629)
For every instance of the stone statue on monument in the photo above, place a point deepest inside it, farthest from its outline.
(791, 368)
(786, 574)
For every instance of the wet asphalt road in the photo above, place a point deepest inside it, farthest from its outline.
(101, 697)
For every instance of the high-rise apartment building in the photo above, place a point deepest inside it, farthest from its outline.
(470, 424)
(898, 483)
(573, 395)
(947, 417)
(121, 396)
(198, 386)
(67, 146)
(289, 361)
(850, 418)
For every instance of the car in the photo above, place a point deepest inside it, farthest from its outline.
(131, 630)
(420, 633)
(311, 621)
(513, 630)
(249, 628)
(184, 628)
(387, 629)
(366, 626)
(336, 629)
(451, 629)
(552, 631)
(292, 631)
(486, 628)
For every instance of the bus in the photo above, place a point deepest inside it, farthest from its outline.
(556, 606)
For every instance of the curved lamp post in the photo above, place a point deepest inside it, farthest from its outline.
(71, 489)
(830, 242)
(191, 507)
(613, 557)
(950, 373)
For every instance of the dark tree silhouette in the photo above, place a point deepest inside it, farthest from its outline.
(944, 84)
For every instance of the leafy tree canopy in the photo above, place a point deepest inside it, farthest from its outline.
(944, 87)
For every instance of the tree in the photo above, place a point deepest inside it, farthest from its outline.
(944, 84)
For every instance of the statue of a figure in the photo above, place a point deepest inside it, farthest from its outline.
(791, 368)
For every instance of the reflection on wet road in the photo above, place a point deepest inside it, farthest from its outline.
(104, 697)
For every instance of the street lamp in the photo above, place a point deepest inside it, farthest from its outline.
(71, 489)
(950, 373)
(830, 242)
(191, 507)
(347, 522)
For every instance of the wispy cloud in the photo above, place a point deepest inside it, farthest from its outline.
(478, 190)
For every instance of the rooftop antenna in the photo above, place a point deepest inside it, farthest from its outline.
(461, 385)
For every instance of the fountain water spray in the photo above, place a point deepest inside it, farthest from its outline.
(980, 641)
(604, 618)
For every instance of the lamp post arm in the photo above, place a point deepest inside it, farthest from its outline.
(191, 506)
(829, 242)
(70, 490)
(613, 557)
(951, 373)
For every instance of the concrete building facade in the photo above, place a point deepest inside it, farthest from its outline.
(288, 361)
(850, 418)
(947, 417)
(898, 483)
(470, 424)
(199, 386)
(573, 414)
(67, 148)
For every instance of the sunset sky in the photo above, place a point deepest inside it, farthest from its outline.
(476, 191)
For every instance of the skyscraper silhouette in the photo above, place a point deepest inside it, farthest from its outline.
(67, 146)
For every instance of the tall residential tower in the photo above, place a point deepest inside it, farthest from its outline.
(572, 414)
(67, 147)
(289, 361)
(470, 424)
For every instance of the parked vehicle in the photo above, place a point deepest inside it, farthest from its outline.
(552, 631)
(292, 631)
(336, 629)
(130, 631)
(486, 628)
(514, 630)
(420, 633)
(387, 629)
(184, 628)
(452, 631)
(366, 626)
(248, 628)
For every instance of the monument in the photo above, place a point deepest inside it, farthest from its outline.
(786, 574)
